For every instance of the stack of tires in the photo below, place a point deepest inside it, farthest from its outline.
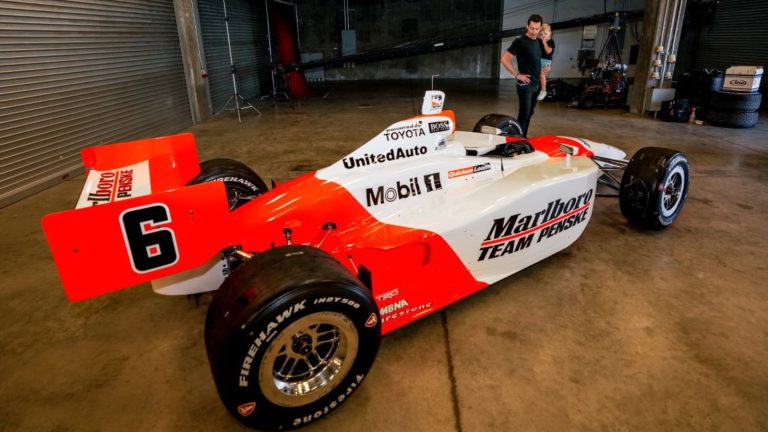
(734, 109)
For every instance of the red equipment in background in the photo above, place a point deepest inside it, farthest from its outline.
(286, 44)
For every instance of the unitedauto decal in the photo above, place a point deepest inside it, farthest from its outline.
(392, 155)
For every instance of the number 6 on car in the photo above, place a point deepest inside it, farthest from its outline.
(150, 246)
(309, 275)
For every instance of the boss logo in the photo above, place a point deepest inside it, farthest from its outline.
(441, 126)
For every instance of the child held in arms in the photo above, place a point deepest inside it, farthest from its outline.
(547, 49)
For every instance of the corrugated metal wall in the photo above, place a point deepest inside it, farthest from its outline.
(248, 36)
(737, 36)
(80, 73)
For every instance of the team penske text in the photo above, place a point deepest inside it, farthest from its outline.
(109, 181)
(516, 232)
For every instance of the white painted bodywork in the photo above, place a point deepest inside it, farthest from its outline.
(602, 150)
(417, 174)
(114, 185)
(205, 278)
(464, 208)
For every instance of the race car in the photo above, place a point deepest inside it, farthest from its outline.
(311, 273)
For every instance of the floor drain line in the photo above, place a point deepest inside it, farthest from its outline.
(451, 374)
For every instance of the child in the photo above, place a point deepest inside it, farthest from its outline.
(547, 49)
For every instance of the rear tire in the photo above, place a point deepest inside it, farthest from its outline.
(289, 336)
(507, 124)
(654, 187)
(241, 182)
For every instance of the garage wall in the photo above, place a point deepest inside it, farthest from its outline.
(516, 12)
(248, 37)
(568, 41)
(81, 73)
(390, 23)
(565, 62)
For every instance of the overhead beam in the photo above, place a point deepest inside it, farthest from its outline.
(438, 45)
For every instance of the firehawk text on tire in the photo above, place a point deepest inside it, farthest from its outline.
(654, 187)
(506, 124)
(290, 336)
(241, 182)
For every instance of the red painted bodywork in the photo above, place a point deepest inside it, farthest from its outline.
(172, 160)
(92, 259)
(550, 144)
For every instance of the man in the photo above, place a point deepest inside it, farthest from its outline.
(527, 50)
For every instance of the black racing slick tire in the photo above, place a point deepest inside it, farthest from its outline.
(290, 335)
(735, 101)
(654, 187)
(241, 182)
(506, 124)
(732, 119)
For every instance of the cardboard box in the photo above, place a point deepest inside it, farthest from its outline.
(742, 78)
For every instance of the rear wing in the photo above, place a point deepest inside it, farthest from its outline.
(129, 169)
(137, 220)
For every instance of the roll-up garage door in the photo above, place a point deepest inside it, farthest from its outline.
(248, 38)
(736, 36)
(80, 73)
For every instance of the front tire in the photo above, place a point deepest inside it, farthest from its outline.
(290, 336)
(654, 187)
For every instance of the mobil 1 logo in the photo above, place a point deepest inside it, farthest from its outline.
(401, 190)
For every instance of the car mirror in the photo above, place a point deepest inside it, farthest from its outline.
(490, 130)
(568, 149)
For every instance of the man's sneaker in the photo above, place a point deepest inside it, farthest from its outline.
(542, 95)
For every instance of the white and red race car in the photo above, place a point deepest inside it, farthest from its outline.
(311, 273)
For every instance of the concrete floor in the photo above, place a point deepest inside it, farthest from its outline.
(624, 330)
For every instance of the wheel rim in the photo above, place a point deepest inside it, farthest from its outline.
(308, 359)
(672, 192)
